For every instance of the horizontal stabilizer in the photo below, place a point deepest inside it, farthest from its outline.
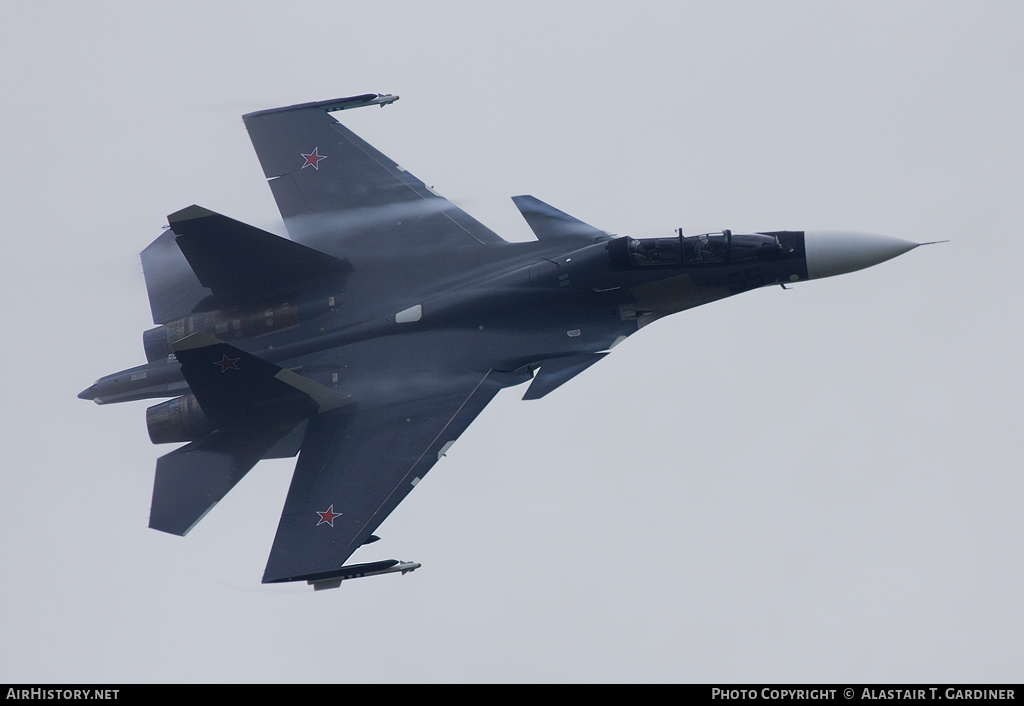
(258, 409)
(239, 390)
(192, 479)
(548, 222)
(230, 257)
(556, 372)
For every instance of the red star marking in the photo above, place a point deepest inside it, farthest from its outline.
(227, 364)
(312, 158)
(328, 516)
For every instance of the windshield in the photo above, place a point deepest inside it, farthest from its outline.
(703, 249)
(708, 247)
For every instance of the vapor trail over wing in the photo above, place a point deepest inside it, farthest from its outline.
(330, 184)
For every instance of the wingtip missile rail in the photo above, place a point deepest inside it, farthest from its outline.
(333, 105)
(357, 571)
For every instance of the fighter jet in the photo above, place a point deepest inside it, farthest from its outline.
(372, 338)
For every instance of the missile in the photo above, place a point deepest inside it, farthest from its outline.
(355, 571)
(384, 99)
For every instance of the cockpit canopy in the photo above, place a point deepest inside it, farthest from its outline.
(706, 248)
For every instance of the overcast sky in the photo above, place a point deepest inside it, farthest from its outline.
(821, 484)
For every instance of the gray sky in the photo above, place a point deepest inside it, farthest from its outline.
(822, 484)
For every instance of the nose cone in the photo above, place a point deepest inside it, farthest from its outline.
(838, 252)
(88, 393)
